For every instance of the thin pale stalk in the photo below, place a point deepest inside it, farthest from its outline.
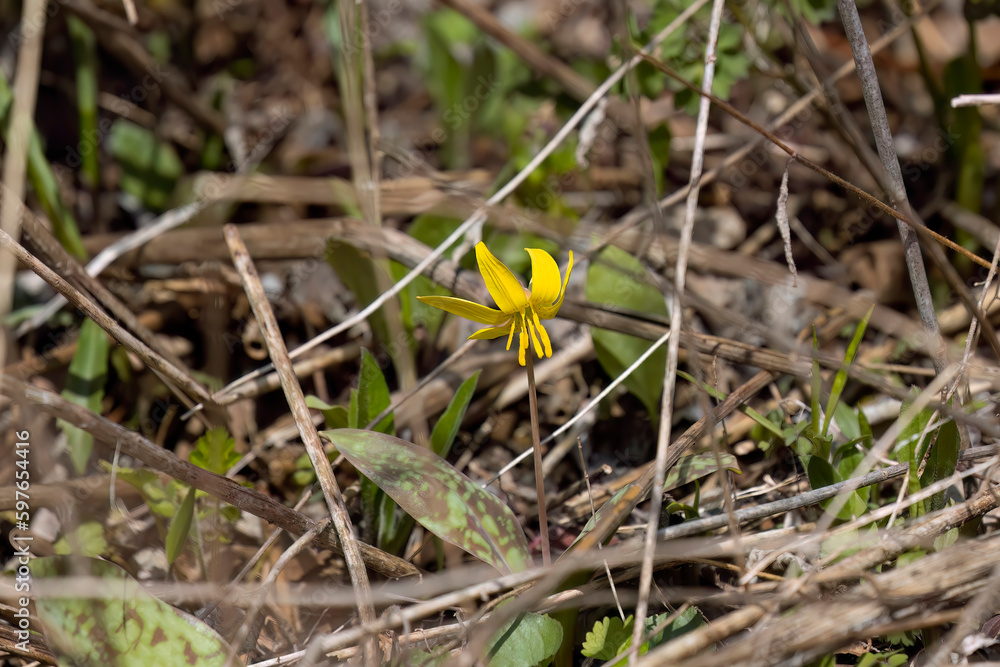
(673, 345)
(543, 521)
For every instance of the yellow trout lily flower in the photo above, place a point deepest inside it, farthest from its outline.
(519, 310)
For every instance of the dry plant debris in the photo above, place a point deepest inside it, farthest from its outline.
(755, 428)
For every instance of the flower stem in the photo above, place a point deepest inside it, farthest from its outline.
(543, 521)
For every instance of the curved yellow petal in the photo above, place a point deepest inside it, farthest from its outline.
(467, 309)
(490, 333)
(505, 289)
(548, 310)
(545, 283)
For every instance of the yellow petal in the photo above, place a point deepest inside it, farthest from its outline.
(505, 289)
(548, 310)
(545, 283)
(543, 334)
(492, 332)
(467, 309)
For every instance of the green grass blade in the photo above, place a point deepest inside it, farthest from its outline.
(88, 373)
(841, 378)
(85, 59)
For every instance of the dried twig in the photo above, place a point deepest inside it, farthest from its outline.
(165, 461)
(296, 401)
(663, 446)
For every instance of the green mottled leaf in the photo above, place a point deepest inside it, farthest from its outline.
(88, 373)
(440, 498)
(127, 627)
(447, 426)
(688, 469)
(214, 452)
(618, 279)
(86, 540)
(527, 639)
(180, 526)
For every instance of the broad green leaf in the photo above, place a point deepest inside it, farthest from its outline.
(840, 379)
(448, 424)
(847, 421)
(615, 278)
(821, 474)
(88, 373)
(86, 540)
(128, 627)
(609, 637)
(440, 498)
(688, 469)
(336, 416)
(177, 534)
(527, 639)
(441, 440)
(214, 452)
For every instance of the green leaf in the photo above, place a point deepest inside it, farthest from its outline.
(88, 373)
(44, 183)
(821, 474)
(372, 397)
(128, 621)
(177, 534)
(85, 58)
(336, 416)
(447, 426)
(87, 540)
(214, 452)
(440, 498)
(527, 639)
(941, 461)
(615, 278)
(609, 637)
(688, 620)
(840, 379)
(150, 168)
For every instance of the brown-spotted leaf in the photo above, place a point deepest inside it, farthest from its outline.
(440, 498)
(122, 624)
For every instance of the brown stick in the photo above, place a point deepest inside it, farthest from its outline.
(153, 359)
(297, 402)
(249, 500)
